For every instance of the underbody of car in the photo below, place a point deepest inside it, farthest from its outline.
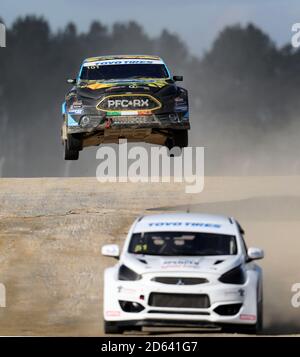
(124, 97)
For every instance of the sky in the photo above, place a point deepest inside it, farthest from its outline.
(198, 22)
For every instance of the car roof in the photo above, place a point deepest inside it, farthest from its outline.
(122, 57)
(187, 222)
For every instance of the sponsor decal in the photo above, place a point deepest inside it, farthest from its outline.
(128, 113)
(75, 111)
(182, 108)
(112, 313)
(95, 86)
(131, 86)
(157, 83)
(128, 102)
(115, 114)
(76, 105)
(240, 292)
(125, 103)
(115, 87)
(181, 263)
(97, 64)
(123, 290)
(144, 112)
(186, 224)
(247, 317)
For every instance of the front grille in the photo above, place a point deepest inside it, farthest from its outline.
(179, 281)
(129, 102)
(179, 312)
(196, 301)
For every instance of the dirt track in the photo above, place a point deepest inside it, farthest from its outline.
(51, 231)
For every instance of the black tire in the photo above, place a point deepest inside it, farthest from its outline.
(240, 329)
(169, 143)
(75, 142)
(260, 318)
(70, 154)
(181, 138)
(113, 328)
(178, 138)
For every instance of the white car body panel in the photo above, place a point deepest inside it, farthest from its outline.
(206, 267)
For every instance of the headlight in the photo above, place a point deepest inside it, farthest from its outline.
(179, 100)
(234, 276)
(127, 274)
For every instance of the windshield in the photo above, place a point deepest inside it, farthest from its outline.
(182, 244)
(123, 71)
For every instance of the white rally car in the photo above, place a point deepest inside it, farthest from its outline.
(183, 269)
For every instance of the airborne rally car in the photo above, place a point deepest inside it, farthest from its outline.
(129, 97)
(183, 269)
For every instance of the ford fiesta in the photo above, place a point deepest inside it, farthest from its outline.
(124, 97)
(184, 269)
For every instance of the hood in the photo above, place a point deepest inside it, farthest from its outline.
(95, 89)
(208, 264)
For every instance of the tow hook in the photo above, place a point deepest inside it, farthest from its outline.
(108, 123)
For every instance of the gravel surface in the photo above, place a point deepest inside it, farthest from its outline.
(52, 230)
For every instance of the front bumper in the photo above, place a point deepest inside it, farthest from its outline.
(176, 120)
(221, 297)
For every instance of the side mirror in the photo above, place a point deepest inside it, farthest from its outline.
(71, 81)
(111, 250)
(178, 78)
(255, 253)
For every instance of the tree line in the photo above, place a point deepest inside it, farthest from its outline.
(243, 80)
